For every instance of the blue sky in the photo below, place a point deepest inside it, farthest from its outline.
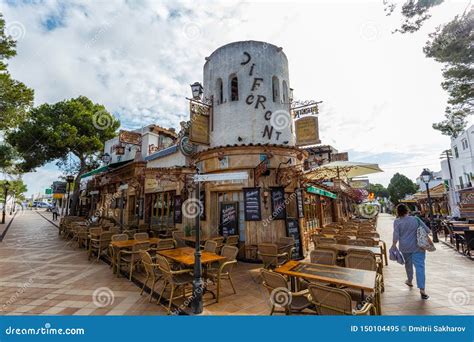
(380, 93)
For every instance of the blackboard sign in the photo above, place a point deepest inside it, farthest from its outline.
(293, 230)
(229, 219)
(178, 214)
(300, 203)
(202, 198)
(252, 207)
(278, 203)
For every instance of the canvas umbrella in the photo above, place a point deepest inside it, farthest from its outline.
(342, 169)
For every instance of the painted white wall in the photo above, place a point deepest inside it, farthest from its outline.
(175, 159)
(462, 164)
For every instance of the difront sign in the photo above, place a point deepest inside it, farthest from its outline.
(311, 109)
(199, 130)
(132, 138)
(307, 131)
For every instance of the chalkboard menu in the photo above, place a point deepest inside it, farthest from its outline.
(278, 203)
(229, 224)
(178, 214)
(252, 207)
(300, 203)
(293, 230)
(202, 198)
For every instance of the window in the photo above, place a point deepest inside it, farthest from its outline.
(275, 89)
(162, 211)
(285, 92)
(220, 92)
(234, 88)
(456, 153)
(464, 144)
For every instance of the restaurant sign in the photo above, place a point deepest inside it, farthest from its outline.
(128, 137)
(359, 183)
(307, 131)
(343, 156)
(199, 130)
(321, 192)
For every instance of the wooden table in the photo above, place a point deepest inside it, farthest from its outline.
(119, 245)
(350, 277)
(192, 239)
(185, 255)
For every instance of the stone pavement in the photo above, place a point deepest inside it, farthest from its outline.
(41, 274)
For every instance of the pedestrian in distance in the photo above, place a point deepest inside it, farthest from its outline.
(55, 211)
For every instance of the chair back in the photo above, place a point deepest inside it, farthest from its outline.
(232, 240)
(210, 246)
(287, 240)
(119, 237)
(219, 240)
(114, 230)
(164, 267)
(329, 231)
(141, 236)
(95, 232)
(229, 252)
(147, 262)
(273, 280)
(325, 241)
(178, 237)
(362, 260)
(323, 255)
(268, 252)
(165, 244)
(330, 300)
(359, 242)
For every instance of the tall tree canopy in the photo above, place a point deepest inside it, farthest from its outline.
(52, 132)
(399, 187)
(16, 189)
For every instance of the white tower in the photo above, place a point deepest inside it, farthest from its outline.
(249, 84)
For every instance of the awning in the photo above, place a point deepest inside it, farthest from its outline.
(105, 168)
(344, 169)
(321, 192)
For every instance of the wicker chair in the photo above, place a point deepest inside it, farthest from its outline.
(140, 236)
(342, 239)
(210, 246)
(359, 242)
(323, 241)
(287, 245)
(323, 255)
(164, 244)
(281, 296)
(220, 243)
(178, 237)
(268, 252)
(333, 301)
(223, 272)
(329, 231)
(152, 272)
(232, 240)
(99, 245)
(174, 279)
(132, 258)
(112, 252)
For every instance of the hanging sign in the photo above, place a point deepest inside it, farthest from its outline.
(307, 131)
(199, 130)
(128, 137)
(278, 203)
(253, 211)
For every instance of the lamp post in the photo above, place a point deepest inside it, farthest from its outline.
(426, 176)
(197, 90)
(198, 284)
(6, 185)
(69, 180)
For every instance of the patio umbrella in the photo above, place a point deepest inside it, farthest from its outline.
(346, 169)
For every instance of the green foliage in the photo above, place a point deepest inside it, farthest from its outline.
(399, 187)
(415, 12)
(54, 131)
(16, 189)
(378, 189)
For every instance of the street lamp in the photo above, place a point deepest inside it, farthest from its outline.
(6, 185)
(197, 90)
(69, 180)
(426, 176)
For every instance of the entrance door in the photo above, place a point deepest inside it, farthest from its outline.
(238, 198)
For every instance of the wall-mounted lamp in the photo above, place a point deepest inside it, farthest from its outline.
(265, 196)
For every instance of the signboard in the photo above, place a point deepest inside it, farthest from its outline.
(278, 203)
(321, 192)
(300, 203)
(215, 177)
(128, 137)
(359, 183)
(229, 224)
(199, 130)
(293, 230)
(312, 109)
(59, 187)
(186, 147)
(343, 156)
(48, 191)
(253, 210)
(307, 131)
(178, 214)
(58, 196)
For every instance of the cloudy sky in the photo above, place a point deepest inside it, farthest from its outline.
(380, 93)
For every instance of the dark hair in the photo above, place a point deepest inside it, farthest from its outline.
(402, 210)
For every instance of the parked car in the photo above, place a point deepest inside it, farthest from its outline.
(37, 204)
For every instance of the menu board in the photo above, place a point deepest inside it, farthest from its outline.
(293, 230)
(229, 215)
(278, 203)
(300, 203)
(253, 211)
(178, 214)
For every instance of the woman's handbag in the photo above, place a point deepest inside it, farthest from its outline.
(423, 240)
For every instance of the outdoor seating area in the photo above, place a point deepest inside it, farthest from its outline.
(459, 235)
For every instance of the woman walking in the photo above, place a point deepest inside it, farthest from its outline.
(405, 233)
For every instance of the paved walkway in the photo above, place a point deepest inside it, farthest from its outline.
(41, 274)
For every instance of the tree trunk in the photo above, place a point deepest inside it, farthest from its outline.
(74, 204)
